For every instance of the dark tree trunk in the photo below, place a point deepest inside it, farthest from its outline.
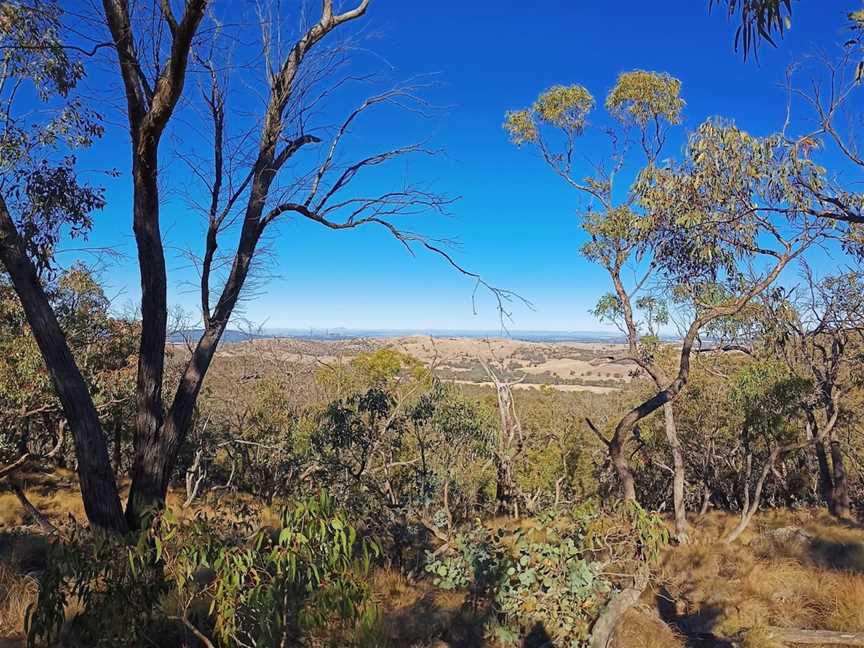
(826, 482)
(151, 353)
(840, 494)
(24, 437)
(98, 486)
(149, 111)
(156, 455)
(118, 447)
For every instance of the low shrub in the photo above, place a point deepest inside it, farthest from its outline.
(553, 577)
(213, 581)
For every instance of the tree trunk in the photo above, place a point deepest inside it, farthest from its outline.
(505, 491)
(98, 486)
(148, 114)
(820, 637)
(622, 467)
(617, 607)
(118, 447)
(840, 493)
(157, 454)
(749, 509)
(146, 488)
(826, 483)
(678, 475)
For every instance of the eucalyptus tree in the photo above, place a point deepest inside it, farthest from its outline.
(704, 235)
(646, 103)
(818, 331)
(252, 180)
(768, 397)
(256, 174)
(42, 196)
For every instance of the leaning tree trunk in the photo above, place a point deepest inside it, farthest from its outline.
(622, 468)
(749, 508)
(98, 486)
(619, 603)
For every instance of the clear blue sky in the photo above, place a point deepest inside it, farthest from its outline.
(515, 220)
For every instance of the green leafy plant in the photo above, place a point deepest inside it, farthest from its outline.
(556, 574)
(268, 589)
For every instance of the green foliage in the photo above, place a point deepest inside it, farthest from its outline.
(307, 576)
(103, 346)
(613, 233)
(769, 396)
(379, 369)
(557, 574)
(641, 97)
(41, 189)
(758, 20)
(520, 125)
(93, 571)
(563, 107)
(260, 590)
(475, 565)
(709, 212)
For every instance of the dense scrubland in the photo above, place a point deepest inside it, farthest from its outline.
(699, 484)
(435, 491)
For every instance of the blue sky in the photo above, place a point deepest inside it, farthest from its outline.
(515, 221)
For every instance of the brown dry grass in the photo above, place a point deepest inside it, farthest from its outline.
(17, 592)
(418, 614)
(737, 590)
(642, 627)
(733, 591)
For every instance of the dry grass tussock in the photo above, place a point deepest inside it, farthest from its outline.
(17, 591)
(417, 614)
(795, 569)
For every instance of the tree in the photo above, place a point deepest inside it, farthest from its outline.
(103, 348)
(40, 197)
(249, 191)
(647, 103)
(510, 445)
(816, 332)
(768, 396)
(693, 231)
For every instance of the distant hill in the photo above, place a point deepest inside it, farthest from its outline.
(527, 336)
(231, 336)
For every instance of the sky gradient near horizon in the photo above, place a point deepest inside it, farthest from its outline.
(514, 220)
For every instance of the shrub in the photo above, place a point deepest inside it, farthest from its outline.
(259, 590)
(556, 575)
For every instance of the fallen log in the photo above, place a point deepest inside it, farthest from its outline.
(34, 513)
(819, 637)
(620, 602)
